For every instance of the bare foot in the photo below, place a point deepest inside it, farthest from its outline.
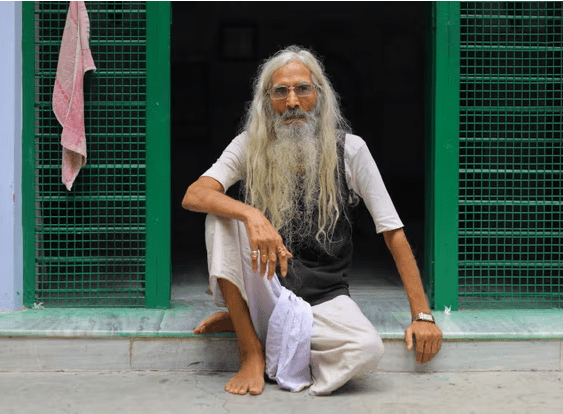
(218, 322)
(250, 377)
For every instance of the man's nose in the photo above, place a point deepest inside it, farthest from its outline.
(292, 100)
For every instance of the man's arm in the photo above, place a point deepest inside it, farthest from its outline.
(428, 335)
(207, 195)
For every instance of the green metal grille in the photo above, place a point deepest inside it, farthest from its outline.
(511, 155)
(90, 243)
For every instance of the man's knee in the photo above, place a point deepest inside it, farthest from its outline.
(369, 350)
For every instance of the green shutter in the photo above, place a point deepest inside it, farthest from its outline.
(494, 228)
(511, 155)
(103, 244)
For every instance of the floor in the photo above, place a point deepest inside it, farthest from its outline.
(167, 392)
(381, 298)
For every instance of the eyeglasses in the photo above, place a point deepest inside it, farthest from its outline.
(282, 91)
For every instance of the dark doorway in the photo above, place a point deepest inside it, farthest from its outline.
(374, 53)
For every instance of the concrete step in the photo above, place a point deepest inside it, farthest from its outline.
(144, 339)
(221, 354)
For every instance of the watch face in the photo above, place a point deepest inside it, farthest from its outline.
(425, 317)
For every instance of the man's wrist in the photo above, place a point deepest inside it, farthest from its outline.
(424, 316)
(250, 214)
(415, 310)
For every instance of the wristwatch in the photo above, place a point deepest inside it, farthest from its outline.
(424, 317)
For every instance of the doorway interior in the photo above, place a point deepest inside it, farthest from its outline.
(375, 56)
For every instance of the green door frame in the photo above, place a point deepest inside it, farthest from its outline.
(158, 180)
(442, 158)
(159, 256)
(28, 152)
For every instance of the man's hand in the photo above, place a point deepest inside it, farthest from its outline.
(264, 238)
(428, 339)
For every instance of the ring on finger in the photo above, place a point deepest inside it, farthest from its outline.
(254, 254)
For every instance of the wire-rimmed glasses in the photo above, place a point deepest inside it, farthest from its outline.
(282, 91)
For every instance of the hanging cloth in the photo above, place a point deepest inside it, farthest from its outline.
(288, 343)
(75, 59)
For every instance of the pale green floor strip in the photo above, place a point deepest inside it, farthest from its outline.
(180, 321)
(385, 306)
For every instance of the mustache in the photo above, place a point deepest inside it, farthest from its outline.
(297, 113)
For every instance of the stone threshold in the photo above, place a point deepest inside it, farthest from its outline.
(221, 354)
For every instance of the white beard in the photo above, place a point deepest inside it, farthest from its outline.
(296, 143)
(294, 159)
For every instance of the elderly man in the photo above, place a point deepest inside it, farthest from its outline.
(301, 171)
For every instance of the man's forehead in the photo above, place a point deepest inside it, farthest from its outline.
(292, 72)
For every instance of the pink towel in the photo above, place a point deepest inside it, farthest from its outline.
(75, 60)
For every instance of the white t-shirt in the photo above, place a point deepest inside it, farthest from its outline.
(362, 176)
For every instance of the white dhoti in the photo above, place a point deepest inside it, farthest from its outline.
(344, 343)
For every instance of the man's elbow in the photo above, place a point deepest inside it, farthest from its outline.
(189, 201)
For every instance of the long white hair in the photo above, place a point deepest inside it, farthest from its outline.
(267, 190)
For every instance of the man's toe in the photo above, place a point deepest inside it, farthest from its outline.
(240, 389)
(256, 390)
(200, 329)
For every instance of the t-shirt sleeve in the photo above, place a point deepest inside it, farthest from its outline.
(230, 166)
(365, 179)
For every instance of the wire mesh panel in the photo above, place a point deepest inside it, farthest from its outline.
(511, 155)
(90, 243)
